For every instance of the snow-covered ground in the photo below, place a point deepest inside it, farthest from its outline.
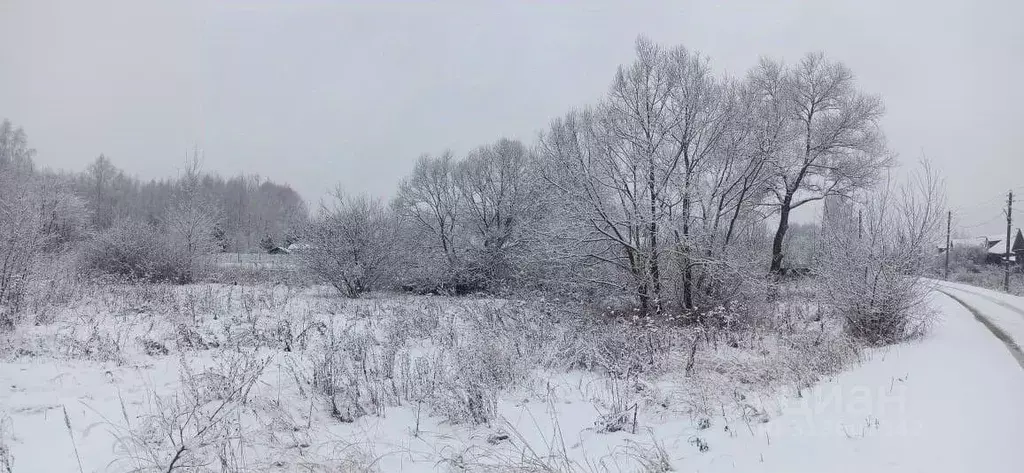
(949, 402)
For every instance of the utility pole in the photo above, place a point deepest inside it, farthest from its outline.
(1009, 224)
(949, 222)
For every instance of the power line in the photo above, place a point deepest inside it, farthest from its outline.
(980, 204)
(1000, 197)
(986, 222)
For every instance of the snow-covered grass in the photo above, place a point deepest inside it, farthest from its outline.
(215, 377)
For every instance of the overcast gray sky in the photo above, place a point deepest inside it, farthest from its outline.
(314, 93)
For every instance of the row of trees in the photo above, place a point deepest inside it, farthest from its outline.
(249, 209)
(455, 225)
(246, 213)
(675, 189)
(158, 230)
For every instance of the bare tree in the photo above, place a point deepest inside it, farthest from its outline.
(723, 189)
(666, 153)
(615, 165)
(190, 222)
(352, 244)
(733, 184)
(20, 242)
(820, 133)
(702, 109)
(430, 199)
(190, 225)
(15, 153)
(639, 122)
(604, 195)
(63, 215)
(21, 238)
(102, 173)
(499, 193)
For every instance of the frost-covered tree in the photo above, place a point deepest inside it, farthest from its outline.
(658, 171)
(352, 244)
(191, 222)
(15, 154)
(499, 193)
(430, 199)
(21, 236)
(21, 240)
(821, 136)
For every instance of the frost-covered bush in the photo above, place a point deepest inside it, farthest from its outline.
(873, 259)
(176, 251)
(350, 245)
(130, 250)
(197, 426)
(968, 257)
(137, 251)
(21, 241)
(6, 458)
(37, 223)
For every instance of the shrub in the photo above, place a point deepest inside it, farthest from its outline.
(874, 257)
(20, 243)
(969, 257)
(197, 425)
(136, 251)
(6, 458)
(351, 244)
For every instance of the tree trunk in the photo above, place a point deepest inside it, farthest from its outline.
(644, 296)
(780, 235)
(687, 272)
(637, 271)
(653, 230)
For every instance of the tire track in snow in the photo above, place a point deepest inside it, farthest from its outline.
(989, 298)
(1004, 337)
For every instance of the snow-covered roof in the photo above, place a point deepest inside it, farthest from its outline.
(998, 248)
(968, 242)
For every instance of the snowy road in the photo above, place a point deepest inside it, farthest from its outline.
(1003, 314)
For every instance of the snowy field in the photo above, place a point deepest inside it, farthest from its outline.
(263, 378)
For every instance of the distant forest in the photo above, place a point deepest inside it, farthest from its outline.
(251, 213)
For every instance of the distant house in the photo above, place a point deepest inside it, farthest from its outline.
(277, 250)
(979, 242)
(997, 250)
(1018, 247)
(994, 247)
